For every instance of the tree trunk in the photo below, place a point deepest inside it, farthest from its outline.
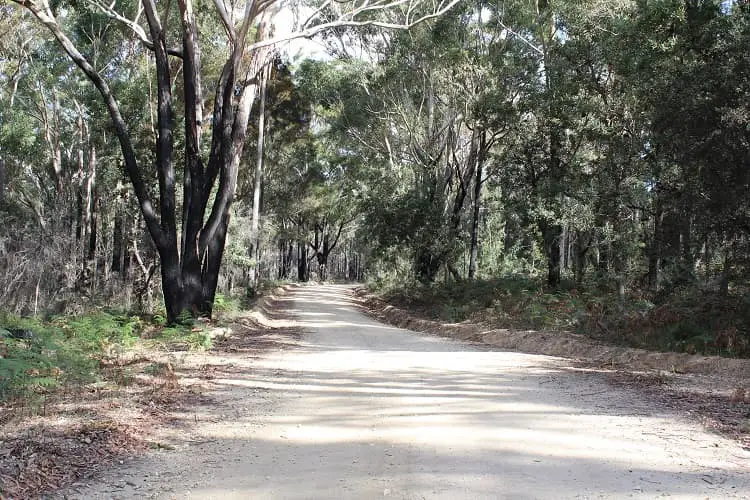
(726, 271)
(581, 245)
(427, 265)
(302, 271)
(687, 255)
(118, 243)
(93, 226)
(551, 234)
(654, 249)
(89, 222)
(258, 178)
(474, 249)
(286, 256)
(213, 266)
(289, 258)
(281, 249)
(171, 283)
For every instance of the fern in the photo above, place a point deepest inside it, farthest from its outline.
(65, 350)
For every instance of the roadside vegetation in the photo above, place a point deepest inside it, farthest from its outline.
(689, 320)
(41, 358)
(78, 392)
(564, 165)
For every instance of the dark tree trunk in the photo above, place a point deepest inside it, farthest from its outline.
(118, 244)
(427, 266)
(551, 234)
(726, 271)
(289, 258)
(322, 246)
(212, 267)
(79, 215)
(283, 271)
(352, 273)
(654, 249)
(286, 256)
(171, 283)
(581, 245)
(93, 226)
(302, 270)
(687, 255)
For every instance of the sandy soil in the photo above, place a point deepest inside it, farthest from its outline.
(357, 409)
(712, 390)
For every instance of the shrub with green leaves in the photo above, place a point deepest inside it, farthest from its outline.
(63, 351)
(185, 336)
(687, 320)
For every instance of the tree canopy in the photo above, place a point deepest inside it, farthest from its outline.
(599, 143)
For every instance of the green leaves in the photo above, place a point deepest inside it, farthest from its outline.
(65, 350)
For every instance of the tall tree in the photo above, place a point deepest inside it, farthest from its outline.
(190, 263)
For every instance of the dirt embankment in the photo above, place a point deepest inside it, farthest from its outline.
(712, 388)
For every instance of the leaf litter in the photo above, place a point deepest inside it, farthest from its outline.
(76, 435)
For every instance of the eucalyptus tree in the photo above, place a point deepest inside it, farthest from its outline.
(426, 116)
(191, 251)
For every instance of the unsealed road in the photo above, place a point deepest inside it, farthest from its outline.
(362, 410)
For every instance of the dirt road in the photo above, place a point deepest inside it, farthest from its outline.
(362, 410)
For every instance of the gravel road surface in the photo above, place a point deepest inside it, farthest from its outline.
(362, 410)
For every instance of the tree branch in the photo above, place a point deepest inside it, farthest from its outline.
(226, 21)
(43, 12)
(136, 28)
(343, 22)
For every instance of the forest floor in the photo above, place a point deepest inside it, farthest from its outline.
(712, 389)
(152, 399)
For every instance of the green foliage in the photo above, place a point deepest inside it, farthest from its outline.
(184, 336)
(65, 350)
(98, 330)
(690, 322)
(226, 304)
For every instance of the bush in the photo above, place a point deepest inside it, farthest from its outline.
(185, 337)
(65, 350)
(688, 320)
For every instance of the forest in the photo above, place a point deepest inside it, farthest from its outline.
(570, 164)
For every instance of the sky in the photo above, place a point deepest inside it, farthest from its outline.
(299, 48)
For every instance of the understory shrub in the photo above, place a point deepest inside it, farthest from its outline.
(690, 320)
(37, 356)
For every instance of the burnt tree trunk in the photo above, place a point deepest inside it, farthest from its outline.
(90, 213)
(655, 246)
(581, 246)
(119, 247)
(322, 246)
(302, 270)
